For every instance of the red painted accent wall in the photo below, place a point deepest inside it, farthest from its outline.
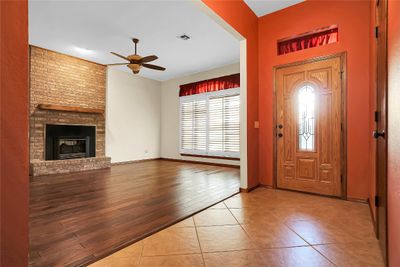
(14, 177)
(353, 20)
(372, 105)
(241, 18)
(394, 132)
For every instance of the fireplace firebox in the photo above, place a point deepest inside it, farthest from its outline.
(70, 141)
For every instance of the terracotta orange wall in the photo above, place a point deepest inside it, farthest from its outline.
(372, 101)
(353, 19)
(394, 132)
(14, 177)
(241, 18)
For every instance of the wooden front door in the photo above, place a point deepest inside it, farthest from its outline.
(309, 126)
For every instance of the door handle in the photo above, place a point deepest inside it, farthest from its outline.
(376, 134)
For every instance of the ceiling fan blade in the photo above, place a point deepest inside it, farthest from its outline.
(148, 58)
(154, 67)
(117, 64)
(115, 54)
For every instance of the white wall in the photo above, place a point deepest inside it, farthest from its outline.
(133, 117)
(170, 113)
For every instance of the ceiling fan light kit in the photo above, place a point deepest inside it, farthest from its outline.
(136, 62)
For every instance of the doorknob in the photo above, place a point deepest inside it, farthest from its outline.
(280, 126)
(377, 134)
(280, 135)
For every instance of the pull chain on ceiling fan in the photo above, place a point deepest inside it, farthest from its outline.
(136, 61)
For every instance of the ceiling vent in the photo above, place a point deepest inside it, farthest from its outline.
(184, 37)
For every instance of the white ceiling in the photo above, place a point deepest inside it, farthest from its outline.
(105, 26)
(264, 7)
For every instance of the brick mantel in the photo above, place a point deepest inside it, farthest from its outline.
(61, 80)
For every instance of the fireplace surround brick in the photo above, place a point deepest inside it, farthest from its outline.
(58, 79)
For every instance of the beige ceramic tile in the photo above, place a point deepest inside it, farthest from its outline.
(113, 261)
(223, 238)
(134, 250)
(185, 223)
(212, 217)
(128, 256)
(322, 232)
(254, 215)
(297, 256)
(191, 260)
(173, 240)
(220, 205)
(317, 232)
(234, 258)
(273, 235)
(353, 254)
(241, 201)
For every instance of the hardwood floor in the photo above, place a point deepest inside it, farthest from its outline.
(78, 218)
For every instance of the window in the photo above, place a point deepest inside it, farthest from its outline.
(306, 118)
(319, 37)
(210, 124)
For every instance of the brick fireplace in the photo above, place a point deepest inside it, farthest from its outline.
(67, 123)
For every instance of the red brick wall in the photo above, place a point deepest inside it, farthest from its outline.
(64, 80)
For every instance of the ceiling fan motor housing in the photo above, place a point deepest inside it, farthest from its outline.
(135, 68)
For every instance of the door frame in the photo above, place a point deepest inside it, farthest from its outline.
(343, 108)
(381, 187)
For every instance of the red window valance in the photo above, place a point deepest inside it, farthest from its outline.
(315, 39)
(216, 84)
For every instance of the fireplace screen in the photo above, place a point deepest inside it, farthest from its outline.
(73, 148)
(70, 141)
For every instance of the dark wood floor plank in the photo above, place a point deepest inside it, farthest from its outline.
(80, 217)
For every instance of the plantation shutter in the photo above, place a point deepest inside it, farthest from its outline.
(194, 126)
(224, 125)
(210, 123)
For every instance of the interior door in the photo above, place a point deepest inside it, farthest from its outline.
(381, 126)
(308, 134)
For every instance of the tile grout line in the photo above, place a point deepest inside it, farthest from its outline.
(309, 244)
(141, 252)
(198, 240)
(247, 234)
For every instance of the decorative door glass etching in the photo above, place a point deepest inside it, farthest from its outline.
(306, 118)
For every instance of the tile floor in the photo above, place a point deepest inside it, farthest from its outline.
(263, 228)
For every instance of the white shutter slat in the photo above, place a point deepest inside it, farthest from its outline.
(210, 124)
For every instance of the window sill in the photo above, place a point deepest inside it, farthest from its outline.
(210, 157)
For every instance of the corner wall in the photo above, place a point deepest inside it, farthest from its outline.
(241, 18)
(170, 136)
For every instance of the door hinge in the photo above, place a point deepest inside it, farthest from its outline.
(376, 201)
(376, 116)
(341, 75)
(376, 32)
(341, 178)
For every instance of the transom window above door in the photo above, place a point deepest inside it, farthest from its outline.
(210, 124)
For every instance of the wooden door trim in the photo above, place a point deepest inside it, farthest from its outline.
(381, 189)
(343, 136)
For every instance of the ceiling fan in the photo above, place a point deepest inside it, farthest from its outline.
(136, 61)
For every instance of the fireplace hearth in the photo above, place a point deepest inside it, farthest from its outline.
(70, 142)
